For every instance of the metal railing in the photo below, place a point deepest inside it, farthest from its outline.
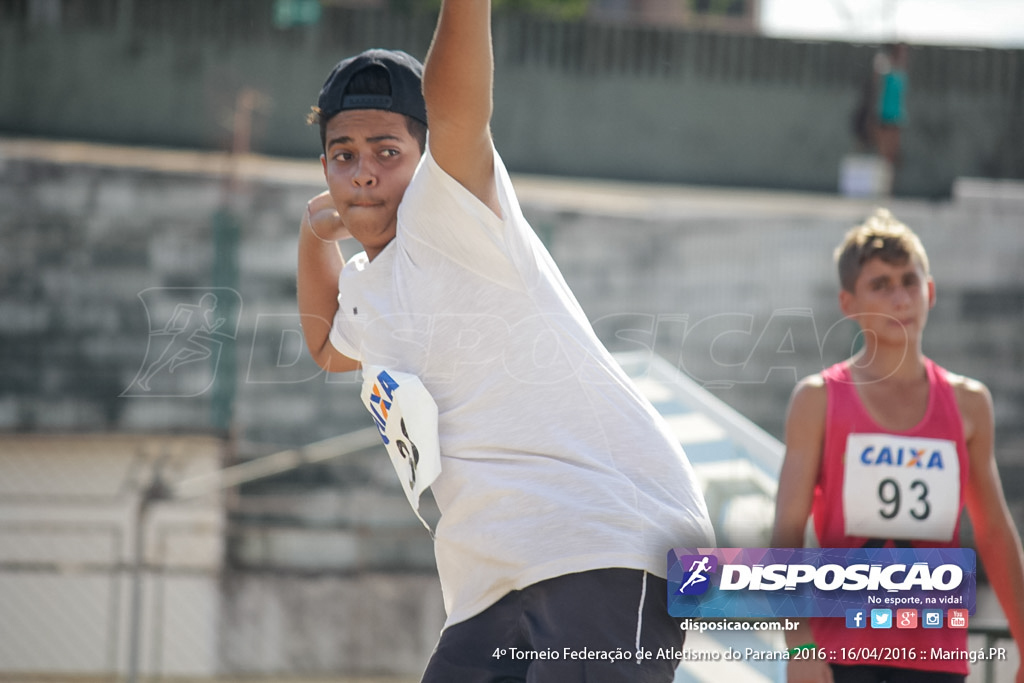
(577, 46)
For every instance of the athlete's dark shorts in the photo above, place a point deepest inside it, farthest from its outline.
(569, 629)
(889, 674)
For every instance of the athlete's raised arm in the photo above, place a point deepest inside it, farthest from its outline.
(458, 79)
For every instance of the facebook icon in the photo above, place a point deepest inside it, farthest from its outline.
(856, 618)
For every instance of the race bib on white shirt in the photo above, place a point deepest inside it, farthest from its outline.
(406, 416)
(901, 487)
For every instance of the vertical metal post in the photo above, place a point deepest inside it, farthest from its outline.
(155, 491)
(226, 237)
(135, 603)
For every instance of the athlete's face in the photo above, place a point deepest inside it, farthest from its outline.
(890, 300)
(368, 162)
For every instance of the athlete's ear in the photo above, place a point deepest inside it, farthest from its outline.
(323, 162)
(846, 302)
(931, 293)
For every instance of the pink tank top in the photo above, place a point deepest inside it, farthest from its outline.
(900, 483)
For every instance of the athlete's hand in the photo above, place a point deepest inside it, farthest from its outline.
(808, 671)
(324, 219)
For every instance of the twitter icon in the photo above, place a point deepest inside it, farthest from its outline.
(881, 618)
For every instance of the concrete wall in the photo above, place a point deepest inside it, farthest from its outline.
(66, 562)
(313, 602)
(97, 257)
(579, 99)
(101, 244)
(309, 625)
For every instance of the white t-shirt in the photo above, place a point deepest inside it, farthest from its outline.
(552, 461)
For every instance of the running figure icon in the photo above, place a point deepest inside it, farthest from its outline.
(190, 327)
(697, 570)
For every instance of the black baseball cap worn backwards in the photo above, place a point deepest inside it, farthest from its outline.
(404, 72)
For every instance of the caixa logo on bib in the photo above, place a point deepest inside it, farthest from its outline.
(921, 458)
(382, 397)
(406, 417)
(816, 582)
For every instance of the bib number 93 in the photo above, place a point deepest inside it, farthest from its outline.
(900, 487)
(891, 498)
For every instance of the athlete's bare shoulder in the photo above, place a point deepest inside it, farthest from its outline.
(807, 405)
(810, 388)
(964, 383)
(968, 389)
(974, 401)
(816, 381)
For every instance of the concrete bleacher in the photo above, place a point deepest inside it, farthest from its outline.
(732, 290)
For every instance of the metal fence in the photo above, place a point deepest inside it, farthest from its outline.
(84, 567)
(590, 46)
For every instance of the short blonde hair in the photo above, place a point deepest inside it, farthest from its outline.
(880, 236)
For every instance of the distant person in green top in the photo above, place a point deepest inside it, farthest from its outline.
(891, 78)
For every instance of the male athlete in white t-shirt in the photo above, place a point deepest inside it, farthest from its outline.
(560, 487)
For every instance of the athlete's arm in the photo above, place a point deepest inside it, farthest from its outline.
(805, 431)
(458, 79)
(320, 263)
(997, 540)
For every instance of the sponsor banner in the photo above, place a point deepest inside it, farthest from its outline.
(817, 582)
